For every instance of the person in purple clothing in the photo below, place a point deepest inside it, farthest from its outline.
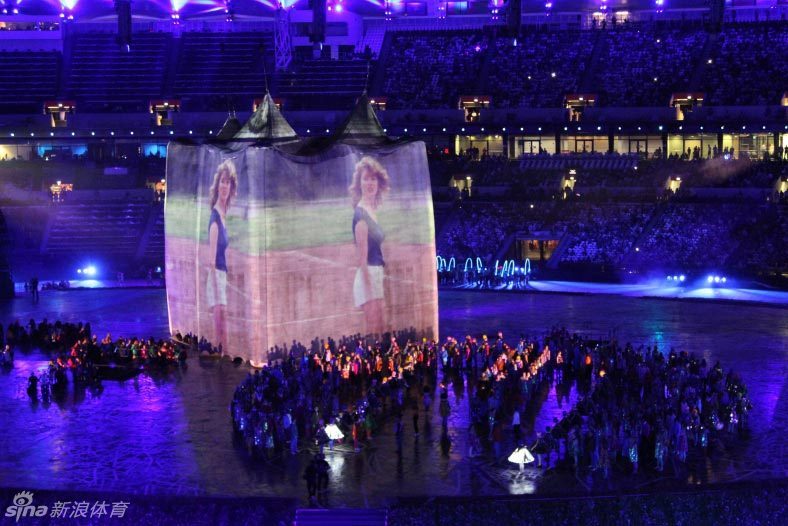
(223, 190)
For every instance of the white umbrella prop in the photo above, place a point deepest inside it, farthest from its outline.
(334, 433)
(521, 455)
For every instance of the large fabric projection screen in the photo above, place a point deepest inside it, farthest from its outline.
(261, 248)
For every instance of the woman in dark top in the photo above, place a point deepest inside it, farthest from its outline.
(370, 182)
(223, 189)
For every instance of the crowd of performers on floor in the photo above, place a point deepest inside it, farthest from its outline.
(487, 275)
(634, 403)
(72, 347)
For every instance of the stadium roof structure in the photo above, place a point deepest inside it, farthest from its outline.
(361, 128)
(230, 128)
(267, 123)
(362, 123)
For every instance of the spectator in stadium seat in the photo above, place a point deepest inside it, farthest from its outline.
(370, 182)
(223, 190)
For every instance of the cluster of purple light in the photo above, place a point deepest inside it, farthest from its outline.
(335, 6)
(496, 7)
(11, 7)
(203, 7)
(67, 9)
(392, 6)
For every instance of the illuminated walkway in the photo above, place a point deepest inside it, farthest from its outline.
(701, 290)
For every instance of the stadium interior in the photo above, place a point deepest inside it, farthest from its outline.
(613, 142)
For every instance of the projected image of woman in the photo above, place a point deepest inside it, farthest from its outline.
(370, 183)
(223, 190)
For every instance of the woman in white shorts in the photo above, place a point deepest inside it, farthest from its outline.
(223, 190)
(370, 182)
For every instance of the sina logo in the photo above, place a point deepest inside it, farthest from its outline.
(23, 507)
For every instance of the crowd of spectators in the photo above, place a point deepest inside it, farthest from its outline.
(490, 170)
(478, 229)
(633, 65)
(640, 67)
(744, 60)
(736, 174)
(605, 235)
(690, 236)
(762, 236)
(538, 68)
(432, 69)
(675, 234)
(628, 65)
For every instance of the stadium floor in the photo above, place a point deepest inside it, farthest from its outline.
(172, 436)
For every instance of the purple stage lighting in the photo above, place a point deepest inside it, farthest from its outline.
(10, 7)
(177, 5)
(67, 9)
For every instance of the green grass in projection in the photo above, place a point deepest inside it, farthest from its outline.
(298, 226)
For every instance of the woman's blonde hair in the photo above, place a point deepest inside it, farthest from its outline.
(227, 167)
(374, 167)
